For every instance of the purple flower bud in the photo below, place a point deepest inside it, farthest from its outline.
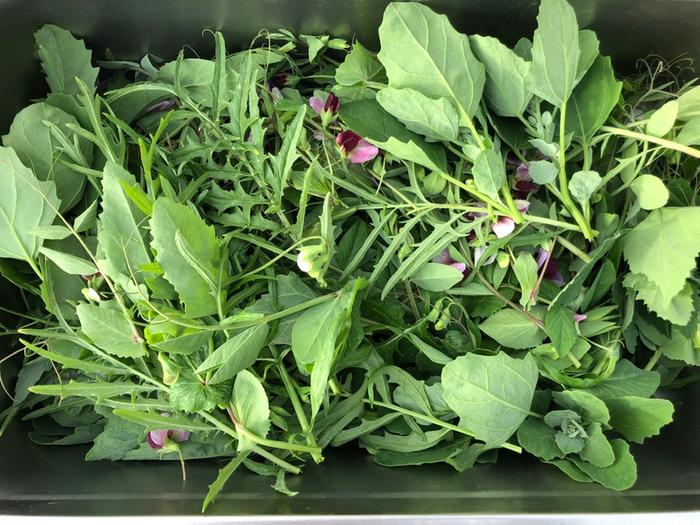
(332, 104)
(158, 439)
(579, 317)
(444, 257)
(316, 104)
(277, 81)
(522, 172)
(164, 105)
(357, 149)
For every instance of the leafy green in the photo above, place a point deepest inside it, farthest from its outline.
(251, 408)
(110, 330)
(512, 329)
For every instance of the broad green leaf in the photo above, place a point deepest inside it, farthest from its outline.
(588, 47)
(650, 191)
(435, 119)
(542, 171)
(359, 66)
(587, 405)
(191, 395)
(663, 248)
(639, 418)
(236, 354)
(117, 439)
(559, 325)
(621, 475)
(63, 58)
(662, 120)
(70, 264)
(25, 203)
(110, 330)
(555, 52)
(570, 469)
(39, 150)
(690, 133)
(677, 311)
(512, 330)
(171, 218)
(54, 232)
(121, 227)
(489, 172)
(30, 374)
(525, 269)
(593, 100)
(681, 347)
(598, 451)
(436, 277)
(626, 380)
(583, 184)
(316, 336)
(538, 439)
(59, 290)
(490, 394)
(98, 390)
(689, 104)
(369, 120)
(506, 72)
(523, 48)
(421, 50)
(251, 408)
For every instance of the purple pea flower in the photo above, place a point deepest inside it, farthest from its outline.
(277, 81)
(551, 270)
(163, 105)
(446, 258)
(357, 149)
(504, 226)
(330, 105)
(579, 317)
(158, 439)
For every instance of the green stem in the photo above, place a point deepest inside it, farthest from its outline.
(654, 359)
(538, 323)
(573, 249)
(692, 152)
(476, 193)
(551, 222)
(515, 212)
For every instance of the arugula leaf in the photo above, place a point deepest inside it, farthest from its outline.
(490, 394)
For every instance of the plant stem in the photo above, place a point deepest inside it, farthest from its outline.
(573, 249)
(691, 152)
(652, 362)
(507, 301)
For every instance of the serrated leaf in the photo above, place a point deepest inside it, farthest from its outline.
(191, 395)
(678, 310)
(638, 418)
(490, 394)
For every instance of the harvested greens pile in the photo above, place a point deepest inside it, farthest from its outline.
(439, 251)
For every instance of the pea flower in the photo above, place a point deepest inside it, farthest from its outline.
(551, 270)
(312, 261)
(504, 226)
(579, 317)
(357, 149)
(479, 253)
(330, 105)
(446, 258)
(165, 439)
(523, 182)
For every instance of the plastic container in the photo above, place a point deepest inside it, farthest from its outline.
(43, 484)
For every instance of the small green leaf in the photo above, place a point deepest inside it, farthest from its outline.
(542, 171)
(650, 191)
(436, 277)
(489, 172)
(638, 418)
(490, 394)
(621, 475)
(598, 451)
(559, 325)
(583, 184)
(626, 380)
(587, 405)
(538, 439)
(360, 66)
(53, 232)
(191, 395)
(678, 310)
(432, 353)
(110, 330)
(525, 269)
(690, 133)
(662, 120)
(236, 354)
(512, 330)
(70, 264)
(251, 408)
(569, 444)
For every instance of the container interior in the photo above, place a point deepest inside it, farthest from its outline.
(50, 481)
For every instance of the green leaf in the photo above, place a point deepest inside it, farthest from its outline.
(169, 218)
(236, 354)
(191, 395)
(435, 119)
(224, 474)
(117, 439)
(542, 171)
(650, 191)
(432, 353)
(218, 86)
(538, 439)
(555, 52)
(588, 46)
(158, 422)
(662, 120)
(251, 408)
(583, 184)
(369, 120)
(360, 66)
(183, 344)
(593, 100)
(70, 264)
(678, 310)
(689, 104)
(690, 133)
(490, 394)
(638, 418)
(288, 153)
(421, 50)
(587, 405)
(110, 330)
(436, 277)
(489, 172)
(525, 269)
(98, 390)
(120, 231)
(512, 330)
(63, 58)
(38, 149)
(559, 325)
(621, 475)
(506, 72)
(626, 380)
(25, 203)
(648, 248)
(681, 347)
(54, 232)
(569, 444)
(598, 451)
(68, 362)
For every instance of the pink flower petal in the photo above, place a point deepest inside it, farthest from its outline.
(444, 257)
(179, 436)
(522, 205)
(156, 438)
(363, 152)
(503, 227)
(347, 140)
(316, 104)
(522, 173)
(579, 317)
(459, 266)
